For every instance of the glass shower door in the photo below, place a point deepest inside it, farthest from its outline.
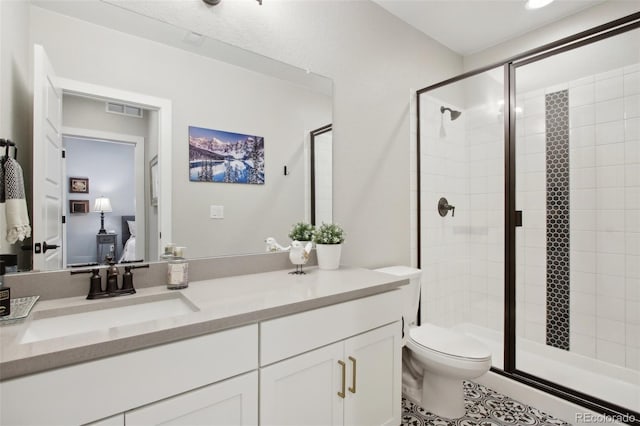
(577, 140)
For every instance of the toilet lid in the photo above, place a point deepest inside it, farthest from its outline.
(449, 342)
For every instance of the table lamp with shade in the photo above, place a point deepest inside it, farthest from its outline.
(102, 205)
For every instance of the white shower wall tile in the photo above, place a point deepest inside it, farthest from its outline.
(632, 221)
(632, 176)
(610, 308)
(632, 243)
(632, 266)
(613, 331)
(586, 240)
(584, 178)
(611, 264)
(632, 106)
(582, 137)
(579, 116)
(583, 324)
(632, 202)
(580, 95)
(633, 358)
(584, 282)
(610, 220)
(610, 132)
(613, 353)
(631, 83)
(610, 242)
(633, 335)
(610, 198)
(609, 88)
(610, 154)
(611, 110)
(583, 344)
(610, 176)
(632, 129)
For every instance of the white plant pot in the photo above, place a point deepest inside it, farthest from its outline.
(328, 256)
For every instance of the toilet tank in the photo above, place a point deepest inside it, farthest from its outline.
(411, 293)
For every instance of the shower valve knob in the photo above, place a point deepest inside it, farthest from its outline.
(444, 207)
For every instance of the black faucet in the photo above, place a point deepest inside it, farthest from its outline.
(95, 288)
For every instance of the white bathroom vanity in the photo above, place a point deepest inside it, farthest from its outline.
(268, 348)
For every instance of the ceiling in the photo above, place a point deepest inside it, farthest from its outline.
(470, 26)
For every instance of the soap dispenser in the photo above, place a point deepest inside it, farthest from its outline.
(177, 270)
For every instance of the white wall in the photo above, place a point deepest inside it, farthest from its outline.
(205, 93)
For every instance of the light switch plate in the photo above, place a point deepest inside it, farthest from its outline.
(216, 212)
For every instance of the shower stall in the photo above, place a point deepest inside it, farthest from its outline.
(538, 252)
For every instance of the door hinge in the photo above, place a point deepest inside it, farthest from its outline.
(64, 153)
(64, 219)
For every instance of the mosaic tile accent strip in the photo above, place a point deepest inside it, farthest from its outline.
(557, 145)
(485, 407)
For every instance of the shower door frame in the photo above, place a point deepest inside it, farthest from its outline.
(509, 65)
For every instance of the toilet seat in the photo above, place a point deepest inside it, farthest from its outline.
(448, 343)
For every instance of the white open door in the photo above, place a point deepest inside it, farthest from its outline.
(47, 166)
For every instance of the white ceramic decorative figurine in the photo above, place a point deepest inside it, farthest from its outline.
(299, 254)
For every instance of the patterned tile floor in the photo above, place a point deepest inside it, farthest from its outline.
(485, 407)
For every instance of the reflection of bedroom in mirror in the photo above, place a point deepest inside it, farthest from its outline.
(110, 150)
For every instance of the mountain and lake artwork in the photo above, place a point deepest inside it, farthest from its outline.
(219, 156)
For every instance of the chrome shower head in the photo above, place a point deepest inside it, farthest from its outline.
(454, 114)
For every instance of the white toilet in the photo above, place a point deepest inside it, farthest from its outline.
(435, 359)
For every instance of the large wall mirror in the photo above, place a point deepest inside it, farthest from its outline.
(112, 143)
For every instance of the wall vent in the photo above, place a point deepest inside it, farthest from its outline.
(124, 109)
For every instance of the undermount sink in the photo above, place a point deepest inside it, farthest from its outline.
(104, 315)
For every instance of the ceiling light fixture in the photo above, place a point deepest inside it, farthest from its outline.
(537, 4)
(211, 2)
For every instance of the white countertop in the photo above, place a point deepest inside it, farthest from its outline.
(220, 304)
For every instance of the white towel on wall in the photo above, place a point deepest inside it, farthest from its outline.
(18, 226)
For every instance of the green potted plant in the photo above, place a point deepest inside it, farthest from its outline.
(301, 231)
(328, 238)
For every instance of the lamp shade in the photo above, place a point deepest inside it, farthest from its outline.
(102, 204)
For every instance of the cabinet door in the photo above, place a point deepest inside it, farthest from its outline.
(303, 390)
(374, 377)
(230, 402)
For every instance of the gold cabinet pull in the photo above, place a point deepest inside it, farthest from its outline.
(352, 388)
(341, 394)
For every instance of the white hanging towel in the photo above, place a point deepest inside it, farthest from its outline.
(18, 226)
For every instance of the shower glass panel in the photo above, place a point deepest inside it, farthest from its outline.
(462, 253)
(578, 251)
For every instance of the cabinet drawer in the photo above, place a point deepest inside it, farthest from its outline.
(284, 337)
(232, 402)
(101, 388)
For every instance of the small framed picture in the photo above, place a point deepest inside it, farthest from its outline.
(79, 206)
(79, 185)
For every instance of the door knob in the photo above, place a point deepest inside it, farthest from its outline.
(46, 247)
